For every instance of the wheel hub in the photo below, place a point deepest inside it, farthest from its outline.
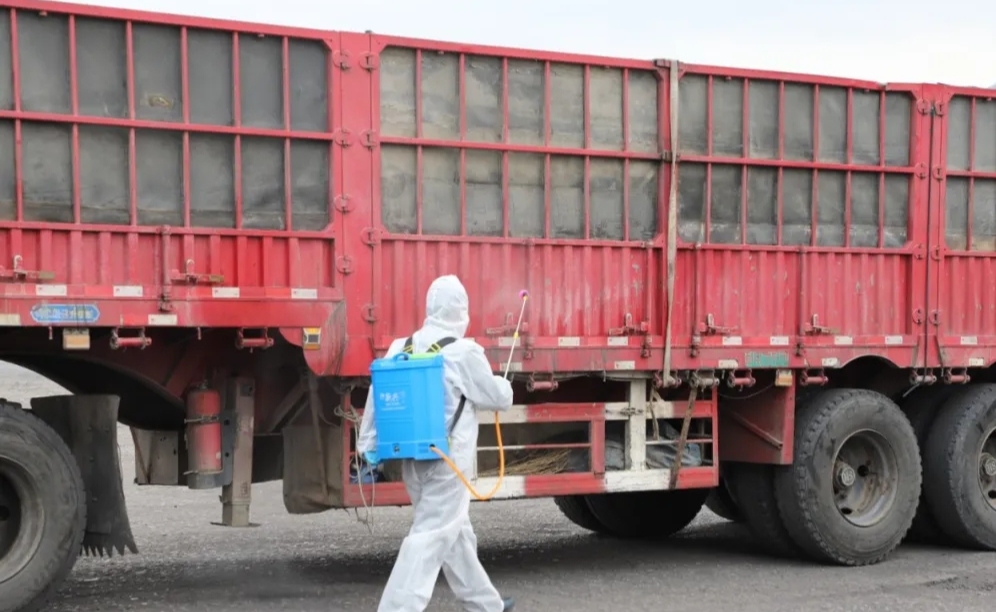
(10, 516)
(987, 469)
(21, 521)
(864, 478)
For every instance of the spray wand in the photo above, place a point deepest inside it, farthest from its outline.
(524, 296)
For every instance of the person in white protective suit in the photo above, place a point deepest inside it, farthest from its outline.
(441, 536)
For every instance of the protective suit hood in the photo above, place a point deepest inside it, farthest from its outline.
(447, 306)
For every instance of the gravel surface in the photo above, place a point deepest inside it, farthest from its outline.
(330, 562)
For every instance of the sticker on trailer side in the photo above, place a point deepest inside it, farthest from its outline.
(51, 290)
(304, 294)
(128, 291)
(772, 359)
(65, 313)
(225, 292)
(162, 319)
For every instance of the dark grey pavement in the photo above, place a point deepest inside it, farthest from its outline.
(331, 562)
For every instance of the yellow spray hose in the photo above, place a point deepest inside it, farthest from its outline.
(501, 449)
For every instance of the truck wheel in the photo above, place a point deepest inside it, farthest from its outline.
(576, 509)
(922, 408)
(647, 514)
(960, 468)
(42, 511)
(754, 484)
(723, 502)
(851, 492)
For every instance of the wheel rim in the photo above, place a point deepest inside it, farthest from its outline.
(987, 468)
(21, 519)
(865, 474)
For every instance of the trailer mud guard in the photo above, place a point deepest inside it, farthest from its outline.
(758, 429)
(89, 426)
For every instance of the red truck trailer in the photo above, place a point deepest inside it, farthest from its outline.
(209, 229)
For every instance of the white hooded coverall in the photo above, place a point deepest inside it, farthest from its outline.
(441, 536)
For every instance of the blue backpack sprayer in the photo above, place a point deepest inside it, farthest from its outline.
(410, 409)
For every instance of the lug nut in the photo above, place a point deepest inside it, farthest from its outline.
(988, 465)
(846, 475)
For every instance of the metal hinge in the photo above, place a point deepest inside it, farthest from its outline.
(710, 327)
(344, 264)
(341, 59)
(189, 276)
(628, 329)
(344, 203)
(369, 61)
(370, 139)
(19, 274)
(342, 137)
(813, 327)
(508, 327)
(370, 236)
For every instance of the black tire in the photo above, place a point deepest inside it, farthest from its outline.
(921, 408)
(754, 486)
(723, 502)
(39, 468)
(951, 468)
(575, 508)
(826, 425)
(647, 514)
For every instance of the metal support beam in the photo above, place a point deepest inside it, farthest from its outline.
(636, 426)
(235, 498)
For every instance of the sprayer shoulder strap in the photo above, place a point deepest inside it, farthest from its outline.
(435, 347)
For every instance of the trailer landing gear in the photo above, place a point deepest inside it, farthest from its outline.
(237, 496)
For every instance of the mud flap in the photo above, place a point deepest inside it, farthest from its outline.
(88, 425)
